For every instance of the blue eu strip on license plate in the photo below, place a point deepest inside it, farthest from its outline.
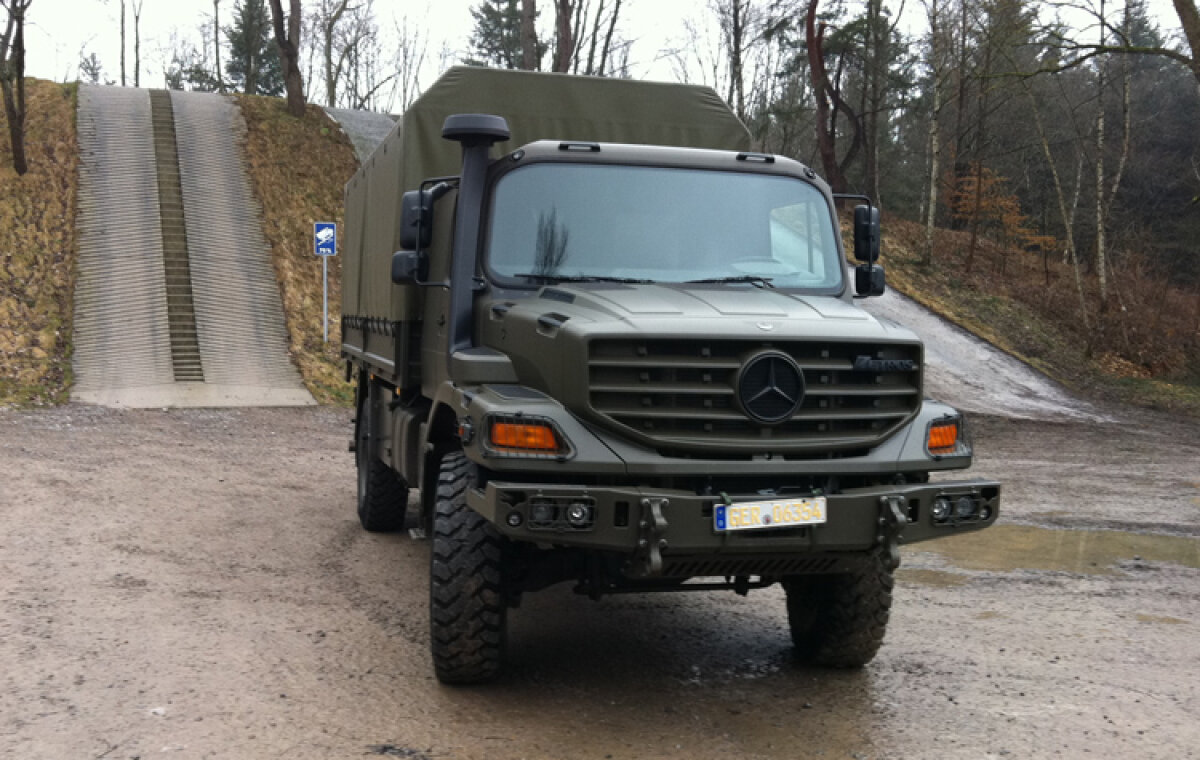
(756, 515)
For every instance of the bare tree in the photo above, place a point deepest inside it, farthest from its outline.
(530, 56)
(407, 62)
(137, 42)
(1067, 213)
(829, 101)
(122, 43)
(12, 78)
(1076, 53)
(695, 60)
(329, 15)
(564, 37)
(217, 44)
(935, 137)
(289, 53)
(599, 40)
(734, 17)
(595, 31)
(1189, 18)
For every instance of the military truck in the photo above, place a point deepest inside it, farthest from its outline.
(611, 345)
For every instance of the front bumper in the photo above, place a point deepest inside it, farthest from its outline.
(672, 533)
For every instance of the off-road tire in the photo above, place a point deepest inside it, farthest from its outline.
(467, 605)
(838, 621)
(382, 493)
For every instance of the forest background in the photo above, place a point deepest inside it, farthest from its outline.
(1034, 160)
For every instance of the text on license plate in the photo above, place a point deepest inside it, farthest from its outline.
(784, 513)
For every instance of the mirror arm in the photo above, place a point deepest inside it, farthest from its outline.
(440, 186)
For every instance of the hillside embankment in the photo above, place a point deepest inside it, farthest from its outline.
(37, 250)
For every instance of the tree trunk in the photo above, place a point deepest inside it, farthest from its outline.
(935, 138)
(137, 43)
(331, 76)
(122, 43)
(876, 62)
(217, 45)
(737, 34)
(12, 81)
(564, 41)
(606, 49)
(529, 56)
(980, 143)
(289, 54)
(958, 146)
(1101, 254)
(826, 143)
(590, 69)
(1068, 216)
(1189, 18)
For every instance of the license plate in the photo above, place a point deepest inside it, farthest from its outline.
(756, 515)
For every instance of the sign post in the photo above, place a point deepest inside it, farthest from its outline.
(325, 245)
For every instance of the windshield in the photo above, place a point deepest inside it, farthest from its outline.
(647, 224)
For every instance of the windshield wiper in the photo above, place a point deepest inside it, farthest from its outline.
(757, 281)
(583, 278)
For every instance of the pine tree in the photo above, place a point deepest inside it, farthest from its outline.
(496, 40)
(253, 65)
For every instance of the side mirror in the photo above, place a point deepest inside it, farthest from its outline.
(868, 280)
(408, 267)
(416, 220)
(866, 233)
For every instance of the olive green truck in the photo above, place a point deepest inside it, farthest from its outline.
(610, 344)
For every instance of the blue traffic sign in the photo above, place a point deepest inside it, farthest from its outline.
(325, 238)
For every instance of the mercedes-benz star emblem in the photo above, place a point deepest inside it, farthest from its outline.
(770, 387)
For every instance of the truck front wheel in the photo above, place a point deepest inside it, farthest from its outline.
(467, 605)
(839, 621)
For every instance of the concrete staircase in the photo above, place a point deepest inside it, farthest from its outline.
(176, 302)
(181, 313)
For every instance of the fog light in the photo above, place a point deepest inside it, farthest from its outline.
(514, 519)
(578, 515)
(985, 513)
(941, 508)
(541, 512)
(964, 507)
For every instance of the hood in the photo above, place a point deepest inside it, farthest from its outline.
(717, 310)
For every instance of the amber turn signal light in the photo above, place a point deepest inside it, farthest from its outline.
(523, 437)
(943, 437)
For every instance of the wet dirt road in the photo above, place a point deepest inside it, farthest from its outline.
(194, 584)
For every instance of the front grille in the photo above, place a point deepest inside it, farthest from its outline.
(683, 395)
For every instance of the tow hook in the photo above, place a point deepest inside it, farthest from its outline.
(651, 529)
(891, 524)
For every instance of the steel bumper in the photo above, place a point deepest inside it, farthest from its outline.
(667, 532)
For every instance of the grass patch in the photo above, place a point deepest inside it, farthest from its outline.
(298, 168)
(37, 250)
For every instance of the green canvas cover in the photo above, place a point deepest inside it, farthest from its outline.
(537, 106)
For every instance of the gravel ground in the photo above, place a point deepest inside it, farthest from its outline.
(194, 584)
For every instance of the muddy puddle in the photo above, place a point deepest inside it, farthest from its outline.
(1025, 547)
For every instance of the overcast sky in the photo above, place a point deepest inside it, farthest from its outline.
(58, 31)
